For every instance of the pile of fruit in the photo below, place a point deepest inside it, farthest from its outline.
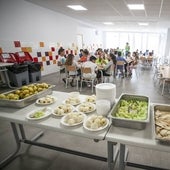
(25, 91)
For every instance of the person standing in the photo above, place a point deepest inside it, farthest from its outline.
(61, 59)
(127, 49)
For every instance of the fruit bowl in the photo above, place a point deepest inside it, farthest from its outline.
(25, 95)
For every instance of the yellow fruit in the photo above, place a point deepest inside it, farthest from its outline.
(2, 96)
(31, 85)
(24, 87)
(30, 89)
(16, 97)
(11, 95)
(38, 85)
(21, 95)
(35, 92)
(35, 88)
(25, 91)
(40, 89)
(7, 97)
(31, 93)
(45, 85)
(17, 91)
(27, 95)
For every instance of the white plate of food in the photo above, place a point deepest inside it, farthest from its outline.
(63, 109)
(39, 114)
(46, 100)
(86, 107)
(73, 119)
(73, 101)
(96, 123)
(91, 99)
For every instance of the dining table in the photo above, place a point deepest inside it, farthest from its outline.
(18, 118)
(117, 138)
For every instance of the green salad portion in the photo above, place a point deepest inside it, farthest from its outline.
(37, 114)
(132, 109)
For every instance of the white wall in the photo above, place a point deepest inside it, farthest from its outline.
(28, 22)
(25, 21)
(92, 38)
(31, 24)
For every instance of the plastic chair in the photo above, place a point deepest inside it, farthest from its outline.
(164, 81)
(88, 79)
(136, 69)
(121, 67)
(111, 71)
(71, 75)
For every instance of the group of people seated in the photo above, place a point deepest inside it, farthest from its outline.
(102, 63)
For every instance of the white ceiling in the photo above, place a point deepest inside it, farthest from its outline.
(157, 12)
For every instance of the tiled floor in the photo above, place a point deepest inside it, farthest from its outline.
(35, 158)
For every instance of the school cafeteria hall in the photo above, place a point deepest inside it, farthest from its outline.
(85, 84)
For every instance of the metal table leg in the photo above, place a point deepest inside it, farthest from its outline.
(35, 143)
(112, 154)
(12, 156)
(122, 157)
(22, 131)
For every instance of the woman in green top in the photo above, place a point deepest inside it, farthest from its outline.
(127, 49)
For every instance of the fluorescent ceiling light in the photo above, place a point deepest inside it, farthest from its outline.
(136, 6)
(143, 23)
(108, 23)
(77, 7)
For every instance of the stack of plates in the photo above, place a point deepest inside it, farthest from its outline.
(106, 91)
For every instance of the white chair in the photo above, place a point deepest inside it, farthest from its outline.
(61, 72)
(111, 72)
(88, 79)
(136, 69)
(73, 76)
(164, 81)
(120, 70)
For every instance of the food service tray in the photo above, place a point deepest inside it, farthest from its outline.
(163, 108)
(130, 123)
(26, 101)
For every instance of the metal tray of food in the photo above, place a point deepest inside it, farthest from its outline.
(20, 103)
(131, 111)
(161, 114)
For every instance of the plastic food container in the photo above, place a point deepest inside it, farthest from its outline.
(126, 122)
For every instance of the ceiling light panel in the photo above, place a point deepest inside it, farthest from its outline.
(143, 23)
(136, 6)
(77, 7)
(108, 23)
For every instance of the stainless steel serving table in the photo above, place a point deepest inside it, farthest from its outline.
(4, 74)
(139, 138)
(17, 117)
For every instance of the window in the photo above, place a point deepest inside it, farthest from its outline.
(136, 40)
